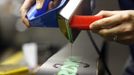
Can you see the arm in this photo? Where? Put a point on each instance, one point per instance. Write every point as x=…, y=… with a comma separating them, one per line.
x=27, y=5
x=116, y=25
x=24, y=9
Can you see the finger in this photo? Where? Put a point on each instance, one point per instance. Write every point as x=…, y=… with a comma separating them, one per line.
x=53, y=4
x=126, y=39
x=123, y=38
x=39, y=3
x=123, y=29
x=27, y=4
x=56, y=2
x=24, y=19
x=23, y=11
x=50, y=6
x=26, y=22
x=109, y=22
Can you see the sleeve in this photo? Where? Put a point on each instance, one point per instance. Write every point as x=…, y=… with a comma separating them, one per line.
x=126, y=4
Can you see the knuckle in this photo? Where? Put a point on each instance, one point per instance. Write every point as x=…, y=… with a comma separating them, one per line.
x=128, y=39
x=31, y=1
x=103, y=33
x=102, y=11
x=20, y=10
x=128, y=28
x=125, y=16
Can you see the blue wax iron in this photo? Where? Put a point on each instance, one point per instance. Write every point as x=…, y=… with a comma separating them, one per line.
x=42, y=17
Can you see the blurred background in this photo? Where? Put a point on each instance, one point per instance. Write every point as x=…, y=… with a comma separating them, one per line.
x=13, y=35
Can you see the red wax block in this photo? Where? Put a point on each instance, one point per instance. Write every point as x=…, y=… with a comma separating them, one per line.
x=83, y=22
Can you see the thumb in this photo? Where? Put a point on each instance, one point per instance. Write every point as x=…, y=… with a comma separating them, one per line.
x=39, y=4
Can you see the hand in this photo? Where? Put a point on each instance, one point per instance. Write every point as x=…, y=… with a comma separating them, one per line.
x=27, y=5
x=116, y=25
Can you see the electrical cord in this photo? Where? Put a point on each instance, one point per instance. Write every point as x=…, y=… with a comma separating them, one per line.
x=99, y=53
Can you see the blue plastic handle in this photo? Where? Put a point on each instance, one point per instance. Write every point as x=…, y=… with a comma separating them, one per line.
x=45, y=18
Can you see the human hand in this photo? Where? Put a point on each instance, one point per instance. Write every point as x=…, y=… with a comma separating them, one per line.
x=116, y=25
x=27, y=5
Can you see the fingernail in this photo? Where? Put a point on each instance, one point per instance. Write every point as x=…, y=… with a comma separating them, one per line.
x=91, y=26
x=39, y=4
x=94, y=25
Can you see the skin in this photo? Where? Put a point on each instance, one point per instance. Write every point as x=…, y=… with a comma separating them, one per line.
x=115, y=23
x=27, y=5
